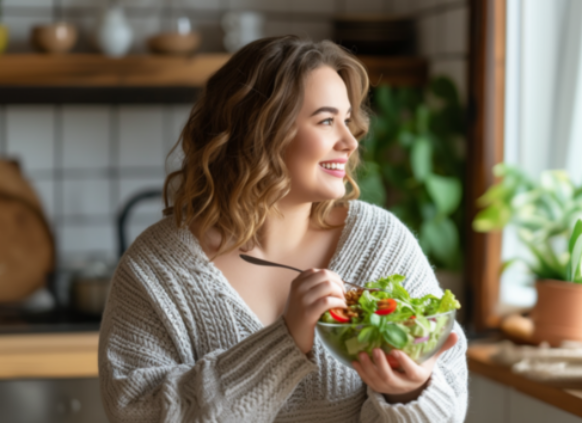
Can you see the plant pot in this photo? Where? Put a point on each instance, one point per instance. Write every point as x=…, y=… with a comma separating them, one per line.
x=557, y=314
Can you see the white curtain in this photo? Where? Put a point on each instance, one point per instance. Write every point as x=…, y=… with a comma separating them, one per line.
x=543, y=106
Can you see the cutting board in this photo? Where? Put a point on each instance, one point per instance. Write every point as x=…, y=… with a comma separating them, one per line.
x=27, y=251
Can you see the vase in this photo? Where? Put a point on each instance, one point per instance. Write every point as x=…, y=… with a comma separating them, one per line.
x=557, y=314
x=3, y=38
x=114, y=34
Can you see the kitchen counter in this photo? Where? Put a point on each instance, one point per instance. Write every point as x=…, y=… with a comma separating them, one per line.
x=74, y=355
x=61, y=355
x=479, y=361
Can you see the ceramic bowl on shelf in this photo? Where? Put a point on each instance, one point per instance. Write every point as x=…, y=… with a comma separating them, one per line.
x=341, y=339
x=54, y=38
x=174, y=43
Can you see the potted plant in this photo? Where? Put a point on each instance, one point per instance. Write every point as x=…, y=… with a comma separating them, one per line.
x=547, y=215
x=413, y=165
x=3, y=32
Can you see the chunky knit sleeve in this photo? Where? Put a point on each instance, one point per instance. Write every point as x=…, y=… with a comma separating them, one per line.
x=445, y=398
x=149, y=372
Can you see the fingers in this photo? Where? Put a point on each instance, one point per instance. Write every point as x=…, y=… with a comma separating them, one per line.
x=367, y=370
x=411, y=369
x=312, y=277
x=323, y=289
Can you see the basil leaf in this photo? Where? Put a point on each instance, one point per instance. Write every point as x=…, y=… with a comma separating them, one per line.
x=395, y=336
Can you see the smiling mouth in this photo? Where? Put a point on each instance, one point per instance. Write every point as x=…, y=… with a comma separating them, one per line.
x=333, y=166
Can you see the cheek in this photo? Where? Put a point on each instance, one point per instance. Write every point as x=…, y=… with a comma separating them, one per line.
x=308, y=148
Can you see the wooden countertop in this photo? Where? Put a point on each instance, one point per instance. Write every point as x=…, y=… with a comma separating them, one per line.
x=74, y=355
x=50, y=355
x=478, y=357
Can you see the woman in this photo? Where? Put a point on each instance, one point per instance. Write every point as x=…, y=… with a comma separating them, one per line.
x=192, y=333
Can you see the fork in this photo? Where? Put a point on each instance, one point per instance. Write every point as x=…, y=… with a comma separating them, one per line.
x=261, y=262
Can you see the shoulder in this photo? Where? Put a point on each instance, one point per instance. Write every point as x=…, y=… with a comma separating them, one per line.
x=368, y=219
x=163, y=245
x=382, y=244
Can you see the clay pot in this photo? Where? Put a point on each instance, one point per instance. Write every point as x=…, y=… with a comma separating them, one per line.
x=56, y=38
x=174, y=43
x=557, y=315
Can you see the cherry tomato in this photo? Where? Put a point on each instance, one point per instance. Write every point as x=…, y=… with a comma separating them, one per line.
x=339, y=314
x=386, y=306
x=392, y=361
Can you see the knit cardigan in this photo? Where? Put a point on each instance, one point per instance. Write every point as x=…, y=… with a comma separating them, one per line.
x=178, y=344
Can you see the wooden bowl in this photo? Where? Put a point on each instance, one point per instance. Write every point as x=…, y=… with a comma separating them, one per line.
x=56, y=38
x=174, y=43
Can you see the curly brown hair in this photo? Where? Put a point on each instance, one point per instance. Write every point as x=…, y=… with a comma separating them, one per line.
x=234, y=141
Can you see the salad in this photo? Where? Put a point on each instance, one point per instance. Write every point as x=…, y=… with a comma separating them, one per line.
x=388, y=318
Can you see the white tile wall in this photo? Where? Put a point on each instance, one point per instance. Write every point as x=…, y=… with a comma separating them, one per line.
x=29, y=3
x=131, y=186
x=365, y=6
x=319, y=6
x=201, y=4
x=86, y=134
x=401, y=7
x=85, y=239
x=455, y=31
x=430, y=30
x=30, y=136
x=275, y=28
x=86, y=197
x=259, y=5
x=45, y=189
x=316, y=31
x=82, y=3
x=141, y=138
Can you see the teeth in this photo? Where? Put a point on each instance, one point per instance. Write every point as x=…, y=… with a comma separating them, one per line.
x=333, y=166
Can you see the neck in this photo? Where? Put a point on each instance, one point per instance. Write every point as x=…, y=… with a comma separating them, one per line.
x=288, y=232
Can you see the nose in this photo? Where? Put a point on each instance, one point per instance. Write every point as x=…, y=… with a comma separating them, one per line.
x=347, y=141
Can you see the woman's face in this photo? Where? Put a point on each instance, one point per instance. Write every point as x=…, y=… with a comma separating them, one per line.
x=317, y=155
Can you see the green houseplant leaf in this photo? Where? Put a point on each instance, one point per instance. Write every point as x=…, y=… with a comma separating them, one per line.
x=575, y=249
x=421, y=158
x=543, y=213
x=445, y=192
x=416, y=151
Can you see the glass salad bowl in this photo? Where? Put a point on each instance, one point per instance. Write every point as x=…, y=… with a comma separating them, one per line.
x=420, y=338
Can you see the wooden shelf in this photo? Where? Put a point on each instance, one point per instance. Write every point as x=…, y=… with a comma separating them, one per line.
x=49, y=355
x=93, y=78
x=479, y=361
x=93, y=70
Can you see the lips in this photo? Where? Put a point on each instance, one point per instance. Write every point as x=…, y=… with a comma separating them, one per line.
x=334, y=167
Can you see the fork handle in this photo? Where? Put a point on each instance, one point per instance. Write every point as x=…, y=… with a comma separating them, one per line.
x=261, y=262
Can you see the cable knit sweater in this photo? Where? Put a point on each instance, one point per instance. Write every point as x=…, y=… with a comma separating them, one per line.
x=178, y=344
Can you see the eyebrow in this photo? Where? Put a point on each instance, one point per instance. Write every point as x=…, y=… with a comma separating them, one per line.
x=332, y=110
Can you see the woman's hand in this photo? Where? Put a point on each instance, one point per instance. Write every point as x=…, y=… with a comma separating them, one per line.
x=312, y=293
x=398, y=386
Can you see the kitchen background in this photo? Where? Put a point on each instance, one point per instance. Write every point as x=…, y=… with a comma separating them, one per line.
x=85, y=161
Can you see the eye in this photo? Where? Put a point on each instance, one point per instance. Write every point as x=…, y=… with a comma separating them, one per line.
x=327, y=121
x=348, y=121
